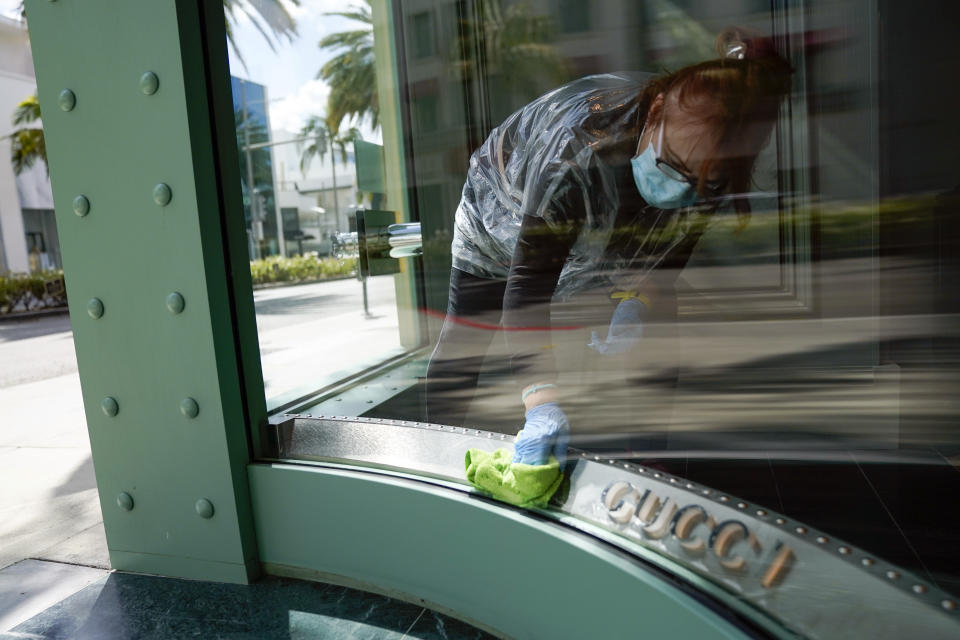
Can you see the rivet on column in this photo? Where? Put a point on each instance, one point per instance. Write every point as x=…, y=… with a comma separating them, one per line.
x=125, y=501
x=110, y=406
x=95, y=308
x=204, y=508
x=149, y=83
x=67, y=100
x=176, y=303
x=81, y=206
x=189, y=408
x=162, y=194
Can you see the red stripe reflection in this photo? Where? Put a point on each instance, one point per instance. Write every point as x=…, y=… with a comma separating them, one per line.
x=494, y=327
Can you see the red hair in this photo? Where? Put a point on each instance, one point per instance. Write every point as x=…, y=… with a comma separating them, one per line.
x=738, y=94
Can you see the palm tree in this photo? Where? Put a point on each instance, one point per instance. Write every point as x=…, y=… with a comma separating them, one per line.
x=270, y=18
x=511, y=48
x=27, y=144
x=351, y=74
x=323, y=137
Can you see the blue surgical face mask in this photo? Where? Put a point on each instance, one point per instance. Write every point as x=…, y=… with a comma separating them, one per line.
x=657, y=188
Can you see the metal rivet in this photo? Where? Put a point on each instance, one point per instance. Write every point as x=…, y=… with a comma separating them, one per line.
x=95, y=308
x=204, y=508
x=949, y=605
x=657, y=475
x=761, y=512
x=893, y=575
x=780, y=521
x=674, y=480
x=868, y=562
x=162, y=194
x=149, y=83
x=67, y=100
x=691, y=485
x=919, y=588
x=190, y=408
x=81, y=206
x=822, y=539
x=705, y=492
x=110, y=406
x=125, y=501
x=742, y=505
x=175, y=303
x=801, y=530
x=844, y=551
x=626, y=466
x=724, y=499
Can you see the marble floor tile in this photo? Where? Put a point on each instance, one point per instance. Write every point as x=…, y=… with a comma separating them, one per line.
x=135, y=607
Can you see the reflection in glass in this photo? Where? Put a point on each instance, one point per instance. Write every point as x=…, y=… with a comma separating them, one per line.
x=792, y=342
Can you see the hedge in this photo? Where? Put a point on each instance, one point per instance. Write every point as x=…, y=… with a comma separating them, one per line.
x=300, y=269
x=20, y=292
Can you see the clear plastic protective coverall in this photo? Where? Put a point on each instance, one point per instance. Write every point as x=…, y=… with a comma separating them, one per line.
x=550, y=214
x=564, y=158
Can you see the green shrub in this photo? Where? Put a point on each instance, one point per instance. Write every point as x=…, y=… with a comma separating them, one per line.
x=31, y=291
x=300, y=268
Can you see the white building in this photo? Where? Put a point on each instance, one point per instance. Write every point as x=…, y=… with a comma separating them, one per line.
x=309, y=203
x=27, y=224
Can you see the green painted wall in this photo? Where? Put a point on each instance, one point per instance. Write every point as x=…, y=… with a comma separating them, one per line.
x=488, y=564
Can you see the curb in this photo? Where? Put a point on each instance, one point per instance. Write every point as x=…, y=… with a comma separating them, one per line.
x=32, y=315
x=280, y=285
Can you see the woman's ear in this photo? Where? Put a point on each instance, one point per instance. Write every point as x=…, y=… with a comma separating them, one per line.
x=656, y=109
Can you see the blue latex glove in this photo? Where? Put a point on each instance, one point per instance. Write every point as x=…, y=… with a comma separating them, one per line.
x=546, y=431
x=626, y=329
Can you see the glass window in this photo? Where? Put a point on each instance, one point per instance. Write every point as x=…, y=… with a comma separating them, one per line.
x=424, y=43
x=709, y=246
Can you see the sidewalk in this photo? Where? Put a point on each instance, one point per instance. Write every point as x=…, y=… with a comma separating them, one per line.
x=55, y=578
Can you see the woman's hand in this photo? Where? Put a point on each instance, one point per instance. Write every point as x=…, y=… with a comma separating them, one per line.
x=546, y=431
x=626, y=328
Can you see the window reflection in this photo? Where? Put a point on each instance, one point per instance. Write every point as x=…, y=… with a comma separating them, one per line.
x=792, y=342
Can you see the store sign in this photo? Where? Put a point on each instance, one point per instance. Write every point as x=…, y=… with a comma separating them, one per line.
x=693, y=530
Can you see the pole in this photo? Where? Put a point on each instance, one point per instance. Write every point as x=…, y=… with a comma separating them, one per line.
x=246, y=144
x=333, y=163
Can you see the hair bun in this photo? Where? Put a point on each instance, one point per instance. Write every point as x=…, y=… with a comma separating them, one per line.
x=741, y=43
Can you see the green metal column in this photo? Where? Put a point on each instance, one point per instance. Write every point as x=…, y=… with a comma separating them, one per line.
x=126, y=95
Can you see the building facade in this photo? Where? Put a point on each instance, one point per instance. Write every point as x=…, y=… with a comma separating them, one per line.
x=28, y=231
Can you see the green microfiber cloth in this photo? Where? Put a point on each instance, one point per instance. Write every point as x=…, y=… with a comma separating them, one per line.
x=525, y=485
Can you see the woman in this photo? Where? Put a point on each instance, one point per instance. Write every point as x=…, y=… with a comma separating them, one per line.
x=605, y=183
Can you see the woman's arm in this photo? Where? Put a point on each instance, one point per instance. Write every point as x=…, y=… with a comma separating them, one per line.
x=541, y=252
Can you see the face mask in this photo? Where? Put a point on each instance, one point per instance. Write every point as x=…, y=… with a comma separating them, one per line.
x=657, y=188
